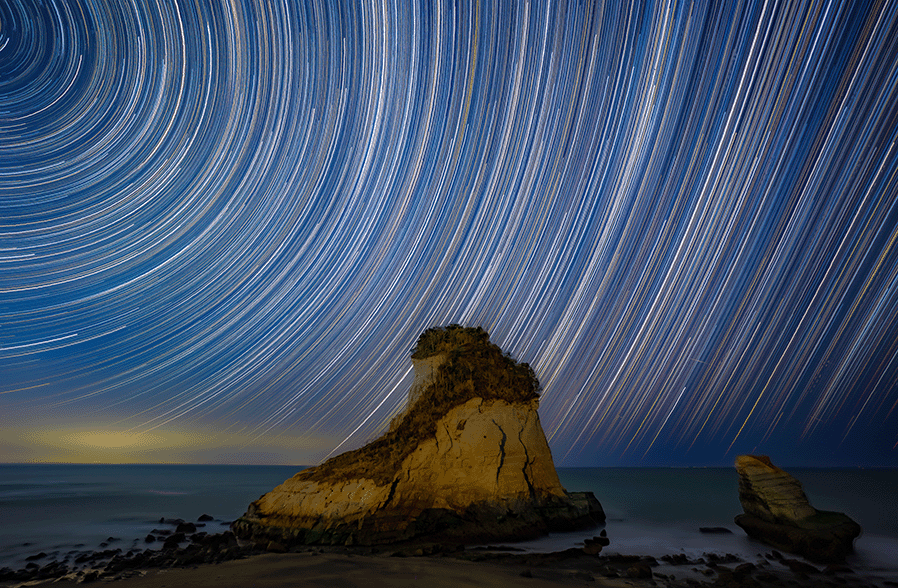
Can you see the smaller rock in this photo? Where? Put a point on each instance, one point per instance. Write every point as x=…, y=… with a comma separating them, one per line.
x=91, y=576
x=594, y=546
x=275, y=547
x=639, y=571
x=204, y=518
x=36, y=556
x=800, y=567
x=149, y=539
x=778, y=513
x=185, y=528
x=173, y=541
x=714, y=530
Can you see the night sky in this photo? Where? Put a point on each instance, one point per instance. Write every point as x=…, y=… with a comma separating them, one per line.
x=224, y=224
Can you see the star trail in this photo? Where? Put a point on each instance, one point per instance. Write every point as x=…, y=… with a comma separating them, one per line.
x=238, y=216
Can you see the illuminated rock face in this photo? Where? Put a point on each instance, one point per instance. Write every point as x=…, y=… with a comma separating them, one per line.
x=769, y=493
x=483, y=451
x=485, y=473
x=778, y=513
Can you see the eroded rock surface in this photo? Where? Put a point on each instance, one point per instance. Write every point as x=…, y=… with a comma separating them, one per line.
x=476, y=468
x=778, y=513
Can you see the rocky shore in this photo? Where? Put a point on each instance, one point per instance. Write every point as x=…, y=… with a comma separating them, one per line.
x=197, y=557
x=171, y=543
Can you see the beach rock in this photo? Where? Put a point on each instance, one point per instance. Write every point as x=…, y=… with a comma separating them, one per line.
x=640, y=571
x=204, y=518
x=173, y=541
x=778, y=513
x=594, y=546
x=800, y=567
x=91, y=576
x=466, y=461
x=676, y=559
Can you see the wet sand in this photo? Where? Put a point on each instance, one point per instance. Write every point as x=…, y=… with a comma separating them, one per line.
x=347, y=571
x=570, y=568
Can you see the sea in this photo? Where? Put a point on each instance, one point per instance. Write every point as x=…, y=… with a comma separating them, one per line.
x=61, y=510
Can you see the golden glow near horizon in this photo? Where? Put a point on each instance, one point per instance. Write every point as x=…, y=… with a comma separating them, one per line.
x=109, y=445
x=112, y=440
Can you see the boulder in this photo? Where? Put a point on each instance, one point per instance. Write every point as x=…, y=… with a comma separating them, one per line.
x=778, y=513
x=467, y=461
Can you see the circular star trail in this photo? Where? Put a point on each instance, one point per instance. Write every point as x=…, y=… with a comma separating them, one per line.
x=241, y=215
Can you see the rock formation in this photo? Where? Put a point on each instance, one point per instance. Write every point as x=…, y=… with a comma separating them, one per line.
x=467, y=461
x=778, y=513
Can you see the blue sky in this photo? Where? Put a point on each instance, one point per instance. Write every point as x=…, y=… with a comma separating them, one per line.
x=223, y=225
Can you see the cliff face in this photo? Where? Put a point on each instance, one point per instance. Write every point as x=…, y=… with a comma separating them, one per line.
x=483, y=451
x=426, y=371
x=477, y=469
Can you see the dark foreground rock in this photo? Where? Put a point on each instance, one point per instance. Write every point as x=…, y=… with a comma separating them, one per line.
x=110, y=564
x=466, y=462
x=825, y=537
x=778, y=513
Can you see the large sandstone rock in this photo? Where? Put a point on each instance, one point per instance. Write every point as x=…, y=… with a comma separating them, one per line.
x=466, y=462
x=778, y=513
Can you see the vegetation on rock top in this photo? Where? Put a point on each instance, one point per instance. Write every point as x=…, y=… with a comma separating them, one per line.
x=474, y=368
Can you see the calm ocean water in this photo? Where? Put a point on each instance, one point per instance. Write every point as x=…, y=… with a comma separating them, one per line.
x=656, y=511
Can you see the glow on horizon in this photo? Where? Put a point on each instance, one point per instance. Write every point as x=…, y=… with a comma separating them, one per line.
x=161, y=446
